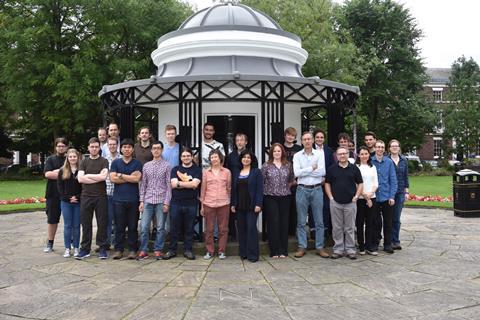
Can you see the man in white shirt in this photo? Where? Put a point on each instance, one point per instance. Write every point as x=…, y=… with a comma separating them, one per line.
x=309, y=169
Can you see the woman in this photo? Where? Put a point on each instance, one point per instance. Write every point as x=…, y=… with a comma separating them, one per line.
x=401, y=167
x=278, y=178
x=366, y=203
x=247, y=200
x=215, y=199
x=70, y=189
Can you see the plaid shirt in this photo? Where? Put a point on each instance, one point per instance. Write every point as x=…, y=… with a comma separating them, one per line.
x=156, y=186
x=110, y=185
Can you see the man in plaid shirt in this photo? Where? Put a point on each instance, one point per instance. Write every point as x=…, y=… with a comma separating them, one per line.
x=112, y=145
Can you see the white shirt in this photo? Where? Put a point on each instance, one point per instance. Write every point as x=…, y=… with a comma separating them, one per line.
x=370, y=178
x=303, y=167
x=206, y=148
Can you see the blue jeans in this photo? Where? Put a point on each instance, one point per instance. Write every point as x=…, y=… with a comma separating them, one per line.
x=148, y=211
x=71, y=223
x=306, y=197
x=182, y=215
x=111, y=218
x=126, y=217
x=397, y=212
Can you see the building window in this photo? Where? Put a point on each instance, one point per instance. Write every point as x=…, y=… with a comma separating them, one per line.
x=437, y=148
x=437, y=95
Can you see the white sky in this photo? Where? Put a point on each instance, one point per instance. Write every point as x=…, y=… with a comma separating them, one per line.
x=450, y=28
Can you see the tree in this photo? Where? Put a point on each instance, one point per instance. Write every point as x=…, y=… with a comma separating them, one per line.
x=56, y=55
x=462, y=116
x=386, y=35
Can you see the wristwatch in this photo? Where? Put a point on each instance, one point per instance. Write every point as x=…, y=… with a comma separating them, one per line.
x=178, y=184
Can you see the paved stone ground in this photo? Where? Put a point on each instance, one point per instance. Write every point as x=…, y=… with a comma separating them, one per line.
x=436, y=276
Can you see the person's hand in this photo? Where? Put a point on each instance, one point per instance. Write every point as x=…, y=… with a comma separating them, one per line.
x=391, y=202
x=232, y=208
x=202, y=212
x=314, y=166
x=354, y=199
x=73, y=199
x=369, y=203
x=165, y=208
x=140, y=207
x=257, y=209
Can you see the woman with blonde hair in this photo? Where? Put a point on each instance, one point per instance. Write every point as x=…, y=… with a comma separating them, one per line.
x=70, y=189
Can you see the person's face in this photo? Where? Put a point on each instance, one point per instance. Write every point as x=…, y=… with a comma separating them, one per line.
x=370, y=141
x=94, y=148
x=72, y=158
x=144, y=135
x=61, y=148
x=379, y=149
x=246, y=160
x=214, y=159
x=170, y=135
x=277, y=153
x=186, y=158
x=307, y=140
x=351, y=146
x=290, y=138
x=34, y=158
x=364, y=156
x=342, y=155
x=394, y=148
x=112, y=145
x=127, y=150
x=240, y=142
x=208, y=132
x=113, y=131
x=156, y=150
x=343, y=143
x=319, y=139
x=102, y=135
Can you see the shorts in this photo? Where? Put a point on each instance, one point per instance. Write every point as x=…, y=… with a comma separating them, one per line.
x=53, y=210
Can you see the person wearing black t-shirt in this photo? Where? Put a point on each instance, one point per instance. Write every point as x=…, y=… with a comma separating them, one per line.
x=185, y=180
x=291, y=148
x=53, y=210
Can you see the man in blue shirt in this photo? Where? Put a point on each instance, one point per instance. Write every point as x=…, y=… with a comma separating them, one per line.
x=126, y=174
x=385, y=195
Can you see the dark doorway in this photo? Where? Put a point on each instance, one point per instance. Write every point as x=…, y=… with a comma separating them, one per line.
x=226, y=127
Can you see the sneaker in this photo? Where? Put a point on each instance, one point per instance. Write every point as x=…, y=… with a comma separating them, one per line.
x=117, y=255
x=372, y=253
x=67, y=253
x=83, y=255
x=222, y=256
x=76, y=252
x=169, y=255
x=158, y=254
x=142, y=255
x=103, y=254
x=48, y=248
x=207, y=256
x=362, y=253
x=189, y=255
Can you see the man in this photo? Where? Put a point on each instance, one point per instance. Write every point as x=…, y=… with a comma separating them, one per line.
x=171, y=153
x=102, y=136
x=126, y=173
x=370, y=138
x=233, y=162
x=155, y=195
x=385, y=196
x=290, y=136
x=92, y=174
x=110, y=156
x=309, y=168
x=142, y=149
x=114, y=132
x=185, y=180
x=344, y=141
x=209, y=144
x=343, y=186
x=53, y=211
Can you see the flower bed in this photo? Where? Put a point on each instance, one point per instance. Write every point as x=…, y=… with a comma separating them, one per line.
x=437, y=198
x=23, y=200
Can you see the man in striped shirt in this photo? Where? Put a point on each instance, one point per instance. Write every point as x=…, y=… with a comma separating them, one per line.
x=155, y=195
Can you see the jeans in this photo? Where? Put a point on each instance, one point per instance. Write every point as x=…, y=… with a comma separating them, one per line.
x=248, y=235
x=397, y=212
x=182, y=215
x=148, y=211
x=111, y=218
x=126, y=216
x=89, y=205
x=71, y=224
x=306, y=197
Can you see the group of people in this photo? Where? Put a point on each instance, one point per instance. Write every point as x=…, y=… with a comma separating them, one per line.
x=340, y=193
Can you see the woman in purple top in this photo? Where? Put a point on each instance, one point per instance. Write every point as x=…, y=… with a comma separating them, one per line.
x=278, y=178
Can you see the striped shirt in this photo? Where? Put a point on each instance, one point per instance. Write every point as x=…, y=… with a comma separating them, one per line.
x=155, y=187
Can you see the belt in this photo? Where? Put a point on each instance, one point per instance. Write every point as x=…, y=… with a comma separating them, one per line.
x=311, y=186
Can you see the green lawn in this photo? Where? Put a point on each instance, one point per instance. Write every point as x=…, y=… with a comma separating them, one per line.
x=431, y=186
x=22, y=189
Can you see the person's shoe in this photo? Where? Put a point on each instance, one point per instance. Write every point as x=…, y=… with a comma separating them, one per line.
x=131, y=255
x=158, y=254
x=336, y=255
x=189, y=255
x=76, y=252
x=372, y=253
x=222, y=256
x=397, y=246
x=282, y=256
x=169, y=255
x=103, y=254
x=207, y=256
x=322, y=253
x=67, y=253
x=117, y=255
x=300, y=253
x=388, y=250
x=352, y=256
x=48, y=248
x=142, y=255
x=83, y=255
x=97, y=250
x=362, y=253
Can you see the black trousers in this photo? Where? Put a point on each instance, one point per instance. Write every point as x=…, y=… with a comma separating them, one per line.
x=276, y=210
x=248, y=235
x=365, y=223
x=386, y=212
x=89, y=205
x=126, y=217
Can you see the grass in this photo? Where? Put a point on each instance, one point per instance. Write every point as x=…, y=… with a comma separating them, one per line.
x=430, y=186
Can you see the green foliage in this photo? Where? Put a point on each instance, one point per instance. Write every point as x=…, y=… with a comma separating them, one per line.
x=56, y=55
